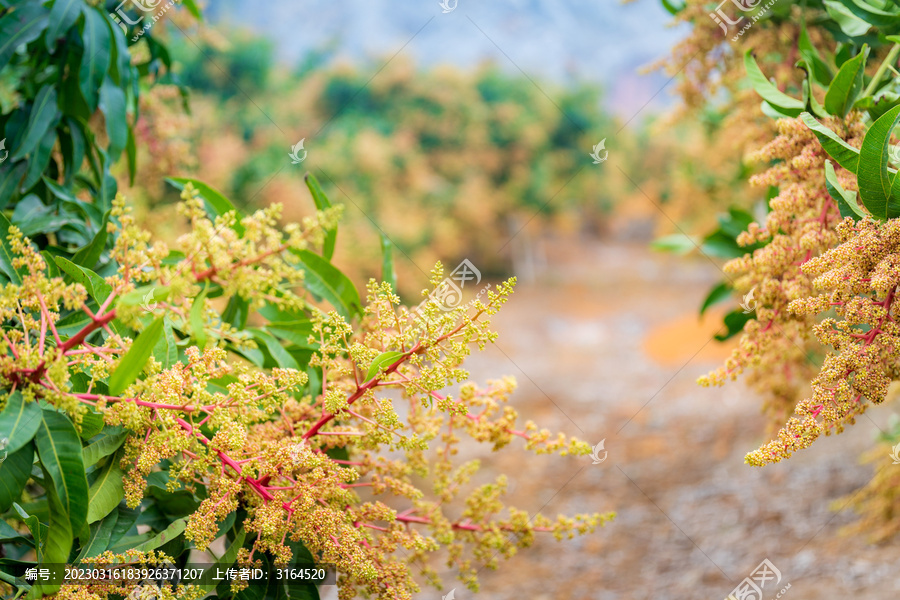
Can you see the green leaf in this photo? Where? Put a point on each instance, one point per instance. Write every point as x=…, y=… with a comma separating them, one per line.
x=89, y=255
x=381, y=362
x=144, y=296
x=98, y=537
x=63, y=15
x=10, y=175
x=124, y=523
x=734, y=324
x=60, y=533
x=388, y=273
x=39, y=161
x=6, y=253
x=59, y=449
x=91, y=424
x=295, y=332
x=131, y=153
x=106, y=492
x=97, y=52
x=111, y=440
x=677, y=243
x=846, y=201
x=43, y=116
x=872, y=174
x=281, y=356
x=112, y=104
x=19, y=421
x=849, y=23
x=134, y=360
x=326, y=281
x=870, y=14
x=15, y=471
x=21, y=25
x=236, y=312
x=322, y=203
x=166, y=349
x=171, y=532
x=95, y=285
x=843, y=153
x=198, y=319
x=820, y=72
x=216, y=203
x=847, y=84
x=193, y=9
x=10, y=535
x=719, y=293
x=228, y=558
x=768, y=91
x=38, y=532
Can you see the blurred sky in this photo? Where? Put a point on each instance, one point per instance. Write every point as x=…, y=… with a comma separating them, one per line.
x=601, y=41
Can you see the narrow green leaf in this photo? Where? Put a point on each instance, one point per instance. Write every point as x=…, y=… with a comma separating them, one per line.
x=95, y=285
x=216, y=203
x=198, y=319
x=870, y=14
x=112, y=440
x=60, y=533
x=6, y=253
x=849, y=23
x=846, y=201
x=15, y=471
x=63, y=15
x=39, y=161
x=131, y=152
x=43, y=117
x=381, y=362
x=228, y=558
x=89, y=255
x=847, y=84
x=322, y=203
x=820, y=72
x=124, y=523
x=768, y=91
x=843, y=153
x=106, y=492
x=872, y=174
x=326, y=281
x=98, y=537
x=10, y=175
x=59, y=449
x=171, y=532
x=281, y=356
x=10, y=535
x=734, y=324
x=719, y=293
x=21, y=25
x=166, y=349
x=37, y=531
x=134, y=360
x=388, y=273
x=112, y=104
x=97, y=52
x=193, y=9
x=677, y=243
x=19, y=421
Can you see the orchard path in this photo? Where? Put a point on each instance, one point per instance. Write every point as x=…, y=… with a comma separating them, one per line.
x=602, y=330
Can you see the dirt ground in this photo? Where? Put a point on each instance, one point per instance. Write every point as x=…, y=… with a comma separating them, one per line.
x=606, y=344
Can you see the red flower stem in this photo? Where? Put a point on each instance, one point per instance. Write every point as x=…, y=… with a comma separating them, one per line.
x=257, y=487
x=325, y=418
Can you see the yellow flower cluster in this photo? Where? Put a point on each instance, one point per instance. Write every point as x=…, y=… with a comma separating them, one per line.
x=859, y=279
x=341, y=470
